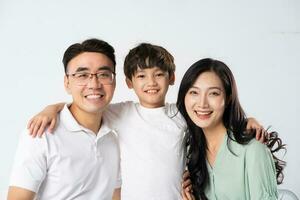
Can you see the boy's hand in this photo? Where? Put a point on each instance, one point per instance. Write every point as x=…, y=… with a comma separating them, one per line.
x=260, y=131
x=37, y=125
x=186, y=185
x=187, y=196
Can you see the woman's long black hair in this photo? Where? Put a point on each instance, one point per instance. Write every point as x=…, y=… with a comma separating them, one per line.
x=234, y=120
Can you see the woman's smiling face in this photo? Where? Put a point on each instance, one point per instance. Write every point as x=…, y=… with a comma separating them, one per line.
x=205, y=101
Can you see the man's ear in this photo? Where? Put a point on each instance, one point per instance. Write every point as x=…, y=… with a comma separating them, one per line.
x=129, y=83
x=172, y=79
x=67, y=84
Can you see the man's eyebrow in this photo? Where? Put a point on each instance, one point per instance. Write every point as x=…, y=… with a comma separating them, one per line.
x=105, y=68
x=79, y=69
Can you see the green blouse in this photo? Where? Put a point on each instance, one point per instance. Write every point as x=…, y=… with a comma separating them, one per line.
x=250, y=174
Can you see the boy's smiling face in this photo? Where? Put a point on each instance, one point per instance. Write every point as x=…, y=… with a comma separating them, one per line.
x=151, y=86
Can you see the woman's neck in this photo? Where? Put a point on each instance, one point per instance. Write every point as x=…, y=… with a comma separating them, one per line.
x=214, y=137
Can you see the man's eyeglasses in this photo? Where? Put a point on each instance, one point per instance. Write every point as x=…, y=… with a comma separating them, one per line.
x=104, y=77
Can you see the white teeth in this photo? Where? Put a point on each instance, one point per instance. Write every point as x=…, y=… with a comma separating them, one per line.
x=93, y=96
x=203, y=113
x=151, y=91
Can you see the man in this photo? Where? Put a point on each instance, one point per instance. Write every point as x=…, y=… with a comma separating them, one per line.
x=80, y=161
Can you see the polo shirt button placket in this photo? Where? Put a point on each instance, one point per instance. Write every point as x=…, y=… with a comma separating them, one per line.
x=96, y=150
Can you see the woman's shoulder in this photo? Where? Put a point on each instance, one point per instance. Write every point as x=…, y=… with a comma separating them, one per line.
x=256, y=149
x=252, y=147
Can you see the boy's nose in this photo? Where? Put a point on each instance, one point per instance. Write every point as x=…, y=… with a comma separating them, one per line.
x=152, y=80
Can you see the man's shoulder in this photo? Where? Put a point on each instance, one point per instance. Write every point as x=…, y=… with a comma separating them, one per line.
x=26, y=137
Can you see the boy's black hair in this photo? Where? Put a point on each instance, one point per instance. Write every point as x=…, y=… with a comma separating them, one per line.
x=147, y=55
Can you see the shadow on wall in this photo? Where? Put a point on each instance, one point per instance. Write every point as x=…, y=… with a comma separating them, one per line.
x=3, y=194
x=285, y=194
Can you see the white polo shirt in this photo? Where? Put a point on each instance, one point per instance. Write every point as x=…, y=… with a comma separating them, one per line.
x=72, y=163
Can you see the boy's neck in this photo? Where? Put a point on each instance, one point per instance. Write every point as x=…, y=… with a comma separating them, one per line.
x=91, y=121
x=151, y=106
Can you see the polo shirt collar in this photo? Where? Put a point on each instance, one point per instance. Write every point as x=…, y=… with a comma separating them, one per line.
x=68, y=120
x=72, y=125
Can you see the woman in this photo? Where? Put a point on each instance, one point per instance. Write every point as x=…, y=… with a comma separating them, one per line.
x=224, y=161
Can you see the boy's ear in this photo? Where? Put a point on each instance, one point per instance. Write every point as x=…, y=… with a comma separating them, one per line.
x=129, y=83
x=172, y=78
x=67, y=84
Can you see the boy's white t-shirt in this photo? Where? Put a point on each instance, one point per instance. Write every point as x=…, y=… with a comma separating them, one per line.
x=151, y=150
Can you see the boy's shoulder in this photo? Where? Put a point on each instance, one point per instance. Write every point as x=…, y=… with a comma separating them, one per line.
x=171, y=108
x=120, y=106
x=175, y=115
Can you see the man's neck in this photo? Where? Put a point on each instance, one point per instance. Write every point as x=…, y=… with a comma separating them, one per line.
x=88, y=120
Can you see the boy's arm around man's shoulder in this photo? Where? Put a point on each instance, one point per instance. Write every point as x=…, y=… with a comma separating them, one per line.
x=46, y=118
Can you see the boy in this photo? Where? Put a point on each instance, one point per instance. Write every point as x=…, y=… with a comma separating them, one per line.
x=81, y=160
x=150, y=132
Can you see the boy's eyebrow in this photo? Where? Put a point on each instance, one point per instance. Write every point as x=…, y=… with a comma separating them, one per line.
x=142, y=70
x=139, y=70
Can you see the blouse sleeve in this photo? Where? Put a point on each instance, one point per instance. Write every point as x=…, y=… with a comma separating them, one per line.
x=260, y=172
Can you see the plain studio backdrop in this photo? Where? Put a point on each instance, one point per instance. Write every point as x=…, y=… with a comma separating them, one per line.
x=259, y=40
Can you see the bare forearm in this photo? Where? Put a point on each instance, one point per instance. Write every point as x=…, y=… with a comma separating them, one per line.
x=117, y=194
x=57, y=107
x=17, y=193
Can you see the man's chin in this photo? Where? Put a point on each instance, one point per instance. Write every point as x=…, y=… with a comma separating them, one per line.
x=94, y=109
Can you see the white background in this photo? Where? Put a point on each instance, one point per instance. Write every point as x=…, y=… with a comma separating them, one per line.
x=259, y=40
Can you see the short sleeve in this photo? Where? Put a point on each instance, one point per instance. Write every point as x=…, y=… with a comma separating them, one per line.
x=260, y=172
x=119, y=180
x=174, y=113
x=30, y=163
